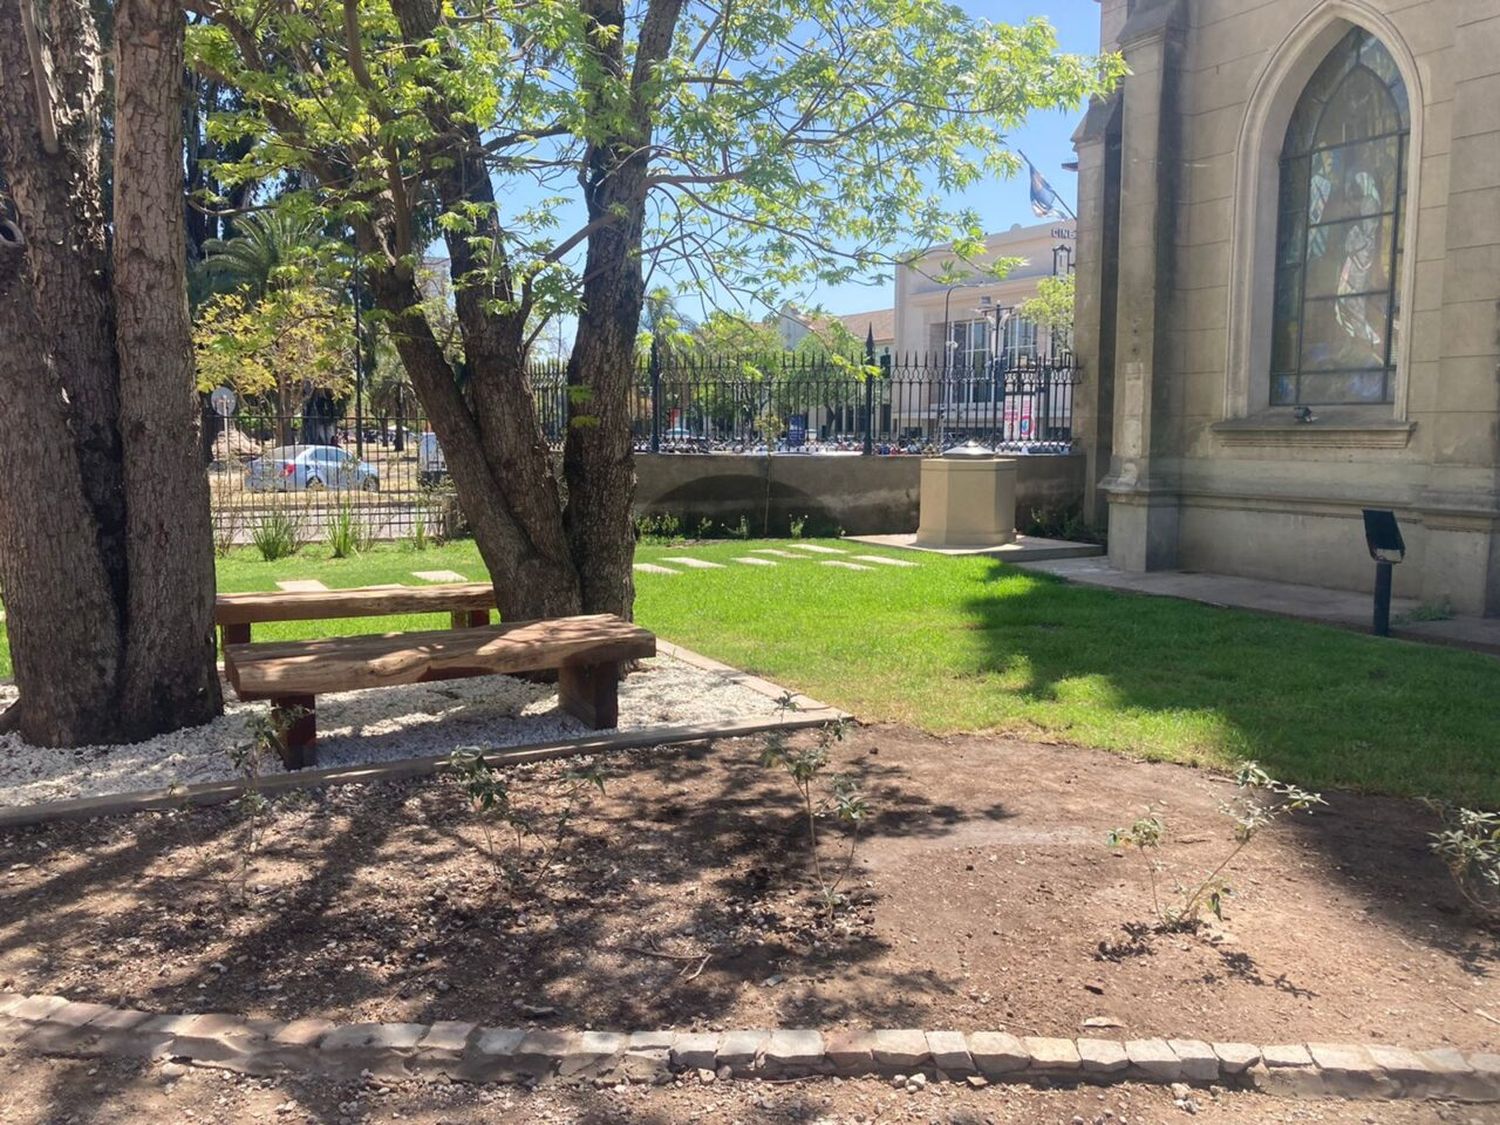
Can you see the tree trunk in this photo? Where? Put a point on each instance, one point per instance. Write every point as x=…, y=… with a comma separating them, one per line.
x=103, y=506
x=598, y=453
x=529, y=583
x=166, y=487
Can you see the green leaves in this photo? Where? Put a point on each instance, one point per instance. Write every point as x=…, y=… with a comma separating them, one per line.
x=785, y=143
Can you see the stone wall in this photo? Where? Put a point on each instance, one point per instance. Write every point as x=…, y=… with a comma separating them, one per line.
x=856, y=495
x=1199, y=471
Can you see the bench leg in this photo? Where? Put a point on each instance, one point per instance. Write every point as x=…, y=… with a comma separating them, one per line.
x=238, y=634
x=467, y=618
x=591, y=692
x=296, y=717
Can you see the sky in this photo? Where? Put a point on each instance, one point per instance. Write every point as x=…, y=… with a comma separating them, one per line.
x=1046, y=139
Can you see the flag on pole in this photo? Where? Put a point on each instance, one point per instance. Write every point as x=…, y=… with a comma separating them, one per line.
x=1044, y=201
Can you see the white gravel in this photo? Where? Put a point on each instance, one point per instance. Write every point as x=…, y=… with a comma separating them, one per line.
x=373, y=726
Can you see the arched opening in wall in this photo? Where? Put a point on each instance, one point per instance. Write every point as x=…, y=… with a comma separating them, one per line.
x=1320, y=267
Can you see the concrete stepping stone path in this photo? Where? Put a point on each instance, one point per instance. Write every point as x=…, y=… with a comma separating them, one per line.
x=438, y=576
x=774, y=551
x=883, y=560
x=652, y=568
x=820, y=550
x=753, y=561
x=301, y=585
x=692, y=563
x=845, y=565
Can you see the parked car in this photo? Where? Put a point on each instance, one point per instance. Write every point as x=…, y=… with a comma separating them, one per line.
x=295, y=468
x=432, y=466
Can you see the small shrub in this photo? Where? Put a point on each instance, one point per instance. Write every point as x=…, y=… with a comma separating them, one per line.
x=266, y=733
x=1469, y=843
x=1068, y=525
x=841, y=799
x=798, y=526
x=277, y=534
x=490, y=799
x=741, y=530
x=420, y=535
x=1440, y=610
x=662, y=530
x=349, y=534
x=227, y=524
x=1249, y=814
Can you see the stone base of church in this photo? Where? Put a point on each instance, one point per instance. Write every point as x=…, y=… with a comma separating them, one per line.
x=1451, y=559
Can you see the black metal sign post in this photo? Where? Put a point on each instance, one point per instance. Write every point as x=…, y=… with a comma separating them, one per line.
x=1383, y=539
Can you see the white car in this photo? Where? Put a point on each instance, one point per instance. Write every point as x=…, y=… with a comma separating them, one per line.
x=432, y=466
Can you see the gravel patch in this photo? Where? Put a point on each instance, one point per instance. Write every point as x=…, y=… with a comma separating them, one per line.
x=383, y=724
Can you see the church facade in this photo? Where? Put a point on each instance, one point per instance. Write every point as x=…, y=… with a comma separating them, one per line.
x=1289, y=290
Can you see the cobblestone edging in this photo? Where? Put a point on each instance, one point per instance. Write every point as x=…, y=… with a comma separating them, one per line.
x=464, y=1051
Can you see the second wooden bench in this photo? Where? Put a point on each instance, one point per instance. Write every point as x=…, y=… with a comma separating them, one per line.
x=586, y=652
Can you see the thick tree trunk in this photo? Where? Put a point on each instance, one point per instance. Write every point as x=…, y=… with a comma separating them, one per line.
x=102, y=541
x=61, y=614
x=169, y=677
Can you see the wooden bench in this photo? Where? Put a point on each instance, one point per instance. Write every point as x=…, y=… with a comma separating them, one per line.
x=585, y=651
x=469, y=603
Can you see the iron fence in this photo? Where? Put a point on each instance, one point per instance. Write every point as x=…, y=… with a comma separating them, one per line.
x=809, y=405
x=385, y=474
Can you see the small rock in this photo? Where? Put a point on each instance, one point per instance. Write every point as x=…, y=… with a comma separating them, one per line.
x=977, y=1081
x=707, y=1077
x=171, y=1071
x=916, y=1082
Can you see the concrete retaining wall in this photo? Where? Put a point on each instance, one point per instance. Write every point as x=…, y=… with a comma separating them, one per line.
x=858, y=495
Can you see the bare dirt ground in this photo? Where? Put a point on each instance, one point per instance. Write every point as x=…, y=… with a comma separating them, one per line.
x=54, y=1091
x=984, y=896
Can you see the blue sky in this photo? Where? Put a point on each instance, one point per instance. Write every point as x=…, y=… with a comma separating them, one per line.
x=1046, y=138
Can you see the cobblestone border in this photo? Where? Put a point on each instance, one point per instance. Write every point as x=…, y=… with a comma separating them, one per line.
x=467, y=1052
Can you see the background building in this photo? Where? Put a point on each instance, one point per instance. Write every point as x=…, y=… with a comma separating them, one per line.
x=1289, y=288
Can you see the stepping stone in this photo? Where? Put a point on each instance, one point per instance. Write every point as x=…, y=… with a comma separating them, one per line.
x=754, y=562
x=652, y=568
x=845, y=565
x=883, y=560
x=774, y=551
x=301, y=585
x=438, y=576
x=818, y=549
x=692, y=563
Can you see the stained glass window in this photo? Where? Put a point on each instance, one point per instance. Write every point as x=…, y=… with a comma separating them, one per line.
x=1341, y=206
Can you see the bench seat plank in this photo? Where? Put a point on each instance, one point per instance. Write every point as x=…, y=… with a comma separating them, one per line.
x=302, y=668
x=363, y=601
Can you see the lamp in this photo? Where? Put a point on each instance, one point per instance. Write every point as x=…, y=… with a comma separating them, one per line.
x=1387, y=548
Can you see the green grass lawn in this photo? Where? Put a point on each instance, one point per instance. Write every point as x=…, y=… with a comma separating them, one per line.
x=958, y=644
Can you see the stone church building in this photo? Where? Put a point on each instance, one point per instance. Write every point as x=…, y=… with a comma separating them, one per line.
x=1289, y=290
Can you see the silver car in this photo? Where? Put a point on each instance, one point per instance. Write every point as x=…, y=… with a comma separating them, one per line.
x=296, y=468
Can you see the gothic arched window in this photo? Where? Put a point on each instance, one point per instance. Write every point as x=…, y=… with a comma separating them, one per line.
x=1338, y=241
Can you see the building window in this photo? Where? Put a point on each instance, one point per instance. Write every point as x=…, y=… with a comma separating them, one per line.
x=969, y=344
x=1339, y=231
x=1018, y=348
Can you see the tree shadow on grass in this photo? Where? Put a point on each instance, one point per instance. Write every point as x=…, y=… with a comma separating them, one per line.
x=1319, y=706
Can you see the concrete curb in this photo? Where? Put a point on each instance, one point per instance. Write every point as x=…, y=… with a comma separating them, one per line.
x=808, y=713
x=466, y=1052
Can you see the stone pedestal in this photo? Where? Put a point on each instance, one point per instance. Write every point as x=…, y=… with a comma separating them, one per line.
x=968, y=502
